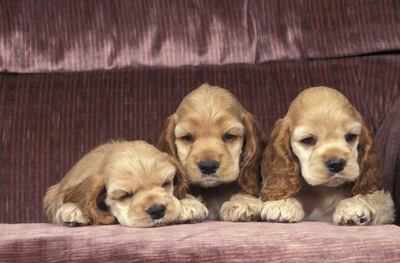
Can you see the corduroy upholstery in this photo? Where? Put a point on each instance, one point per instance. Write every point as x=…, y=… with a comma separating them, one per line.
x=205, y=242
x=74, y=35
x=49, y=121
x=75, y=74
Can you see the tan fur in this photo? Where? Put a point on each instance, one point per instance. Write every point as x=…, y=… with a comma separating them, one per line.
x=241, y=207
x=292, y=169
x=287, y=210
x=93, y=191
x=207, y=113
x=192, y=210
x=370, y=209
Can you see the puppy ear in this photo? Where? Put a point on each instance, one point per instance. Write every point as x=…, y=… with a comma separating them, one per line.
x=166, y=142
x=89, y=196
x=369, y=163
x=279, y=168
x=181, y=182
x=254, y=143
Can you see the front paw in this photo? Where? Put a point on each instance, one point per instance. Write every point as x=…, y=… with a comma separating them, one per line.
x=352, y=212
x=241, y=208
x=192, y=210
x=69, y=214
x=283, y=211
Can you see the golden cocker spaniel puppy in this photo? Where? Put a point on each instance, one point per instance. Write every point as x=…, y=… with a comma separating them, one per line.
x=320, y=165
x=131, y=183
x=220, y=145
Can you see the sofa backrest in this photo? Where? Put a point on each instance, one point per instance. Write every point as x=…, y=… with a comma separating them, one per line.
x=74, y=35
x=49, y=121
x=102, y=70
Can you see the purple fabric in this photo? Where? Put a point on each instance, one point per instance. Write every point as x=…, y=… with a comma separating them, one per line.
x=48, y=121
x=75, y=35
x=141, y=56
x=389, y=149
x=203, y=242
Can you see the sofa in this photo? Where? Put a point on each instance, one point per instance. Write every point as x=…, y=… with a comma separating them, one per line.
x=76, y=74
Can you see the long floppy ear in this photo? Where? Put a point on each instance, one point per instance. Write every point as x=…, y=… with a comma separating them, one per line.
x=89, y=196
x=166, y=142
x=253, y=145
x=181, y=182
x=279, y=168
x=369, y=163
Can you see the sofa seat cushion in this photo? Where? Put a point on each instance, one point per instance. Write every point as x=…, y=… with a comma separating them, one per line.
x=204, y=242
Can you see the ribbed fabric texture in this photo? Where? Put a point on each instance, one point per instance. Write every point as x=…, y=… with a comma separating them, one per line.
x=75, y=35
x=389, y=151
x=49, y=121
x=203, y=242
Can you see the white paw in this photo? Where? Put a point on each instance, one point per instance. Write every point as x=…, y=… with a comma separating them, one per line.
x=69, y=214
x=241, y=208
x=351, y=211
x=283, y=211
x=192, y=210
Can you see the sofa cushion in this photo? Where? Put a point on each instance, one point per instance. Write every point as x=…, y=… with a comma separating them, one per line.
x=204, y=242
x=65, y=35
x=389, y=148
x=48, y=121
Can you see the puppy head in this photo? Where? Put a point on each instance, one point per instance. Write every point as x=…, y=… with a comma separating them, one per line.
x=324, y=139
x=215, y=139
x=136, y=184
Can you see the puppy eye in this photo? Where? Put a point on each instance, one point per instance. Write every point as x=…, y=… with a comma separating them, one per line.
x=126, y=196
x=310, y=141
x=188, y=138
x=228, y=137
x=166, y=184
x=350, y=137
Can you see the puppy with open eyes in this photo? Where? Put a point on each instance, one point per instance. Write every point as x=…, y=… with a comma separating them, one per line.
x=320, y=165
x=220, y=146
x=131, y=183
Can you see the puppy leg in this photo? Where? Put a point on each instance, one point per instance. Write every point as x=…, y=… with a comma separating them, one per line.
x=284, y=211
x=383, y=204
x=192, y=210
x=69, y=214
x=370, y=209
x=241, y=208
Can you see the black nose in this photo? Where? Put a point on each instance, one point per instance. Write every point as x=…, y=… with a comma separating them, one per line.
x=156, y=211
x=208, y=166
x=335, y=165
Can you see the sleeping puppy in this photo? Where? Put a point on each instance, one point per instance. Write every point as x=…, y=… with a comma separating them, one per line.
x=219, y=144
x=320, y=165
x=131, y=183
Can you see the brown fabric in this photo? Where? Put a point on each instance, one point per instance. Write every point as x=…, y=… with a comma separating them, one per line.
x=389, y=149
x=203, y=242
x=48, y=121
x=75, y=35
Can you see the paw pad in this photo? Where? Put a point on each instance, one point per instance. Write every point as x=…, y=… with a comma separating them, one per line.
x=352, y=213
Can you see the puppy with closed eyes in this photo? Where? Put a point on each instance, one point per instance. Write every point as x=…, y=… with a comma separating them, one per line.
x=320, y=165
x=131, y=183
x=220, y=145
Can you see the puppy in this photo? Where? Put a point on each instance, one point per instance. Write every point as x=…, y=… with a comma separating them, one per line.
x=131, y=183
x=320, y=165
x=220, y=146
